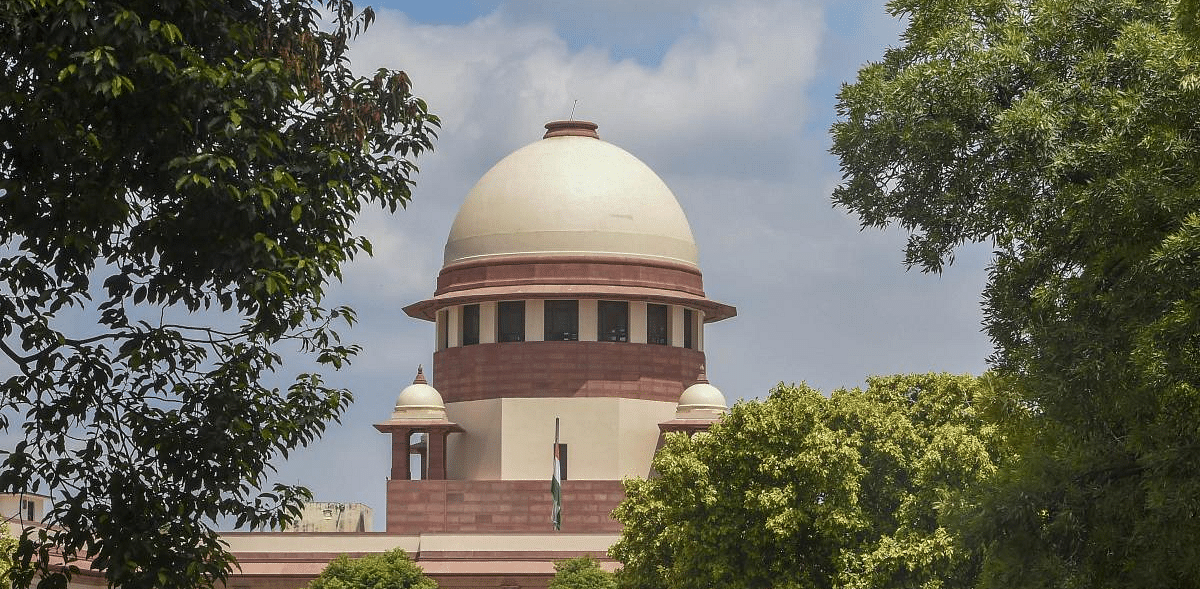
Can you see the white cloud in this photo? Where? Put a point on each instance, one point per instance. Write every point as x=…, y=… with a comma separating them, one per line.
x=722, y=116
x=738, y=77
x=732, y=111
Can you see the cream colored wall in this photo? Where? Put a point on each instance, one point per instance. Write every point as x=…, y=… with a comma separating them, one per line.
x=699, y=315
x=637, y=322
x=535, y=320
x=335, y=542
x=589, y=427
x=487, y=322
x=588, y=316
x=675, y=332
x=639, y=438
x=475, y=454
x=556, y=542
x=512, y=439
x=454, y=327
x=10, y=507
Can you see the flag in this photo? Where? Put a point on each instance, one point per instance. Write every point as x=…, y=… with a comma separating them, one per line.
x=556, y=484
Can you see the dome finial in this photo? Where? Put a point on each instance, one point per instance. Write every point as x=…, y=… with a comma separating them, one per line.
x=702, y=378
x=571, y=129
x=420, y=379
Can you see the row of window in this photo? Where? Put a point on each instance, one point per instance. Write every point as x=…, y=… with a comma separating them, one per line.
x=561, y=322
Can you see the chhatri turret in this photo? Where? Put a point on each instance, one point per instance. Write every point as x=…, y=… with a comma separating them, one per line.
x=570, y=289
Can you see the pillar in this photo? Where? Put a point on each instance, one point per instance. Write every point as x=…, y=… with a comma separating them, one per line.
x=400, y=450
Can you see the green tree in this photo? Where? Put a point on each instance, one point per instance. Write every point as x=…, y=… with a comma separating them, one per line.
x=1065, y=133
x=8, y=545
x=805, y=491
x=178, y=181
x=389, y=570
x=581, y=573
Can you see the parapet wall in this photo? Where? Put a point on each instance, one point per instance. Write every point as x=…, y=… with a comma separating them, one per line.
x=500, y=506
x=565, y=369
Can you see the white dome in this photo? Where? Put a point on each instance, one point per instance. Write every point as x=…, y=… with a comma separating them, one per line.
x=419, y=401
x=701, y=401
x=572, y=194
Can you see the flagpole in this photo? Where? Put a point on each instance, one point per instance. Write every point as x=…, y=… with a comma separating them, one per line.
x=556, y=484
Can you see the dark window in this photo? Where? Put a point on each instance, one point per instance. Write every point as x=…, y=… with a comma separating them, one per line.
x=510, y=321
x=656, y=324
x=562, y=462
x=613, y=321
x=562, y=321
x=688, y=320
x=443, y=330
x=470, y=325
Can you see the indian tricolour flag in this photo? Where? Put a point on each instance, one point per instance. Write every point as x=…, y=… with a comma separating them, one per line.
x=556, y=484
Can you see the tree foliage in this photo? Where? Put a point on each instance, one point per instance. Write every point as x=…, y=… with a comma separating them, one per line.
x=8, y=545
x=581, y=573
x=178, y=180
x=803, y=491
x=389, y=570
x=1065, y=133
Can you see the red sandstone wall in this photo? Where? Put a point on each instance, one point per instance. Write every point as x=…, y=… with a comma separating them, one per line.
x=565, y=369
x=522, y=270
x=499, y=506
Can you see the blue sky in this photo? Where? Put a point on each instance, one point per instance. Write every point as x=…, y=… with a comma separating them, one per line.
x=730, y=101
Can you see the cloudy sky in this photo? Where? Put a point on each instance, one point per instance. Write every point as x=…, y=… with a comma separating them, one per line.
x=730, y=101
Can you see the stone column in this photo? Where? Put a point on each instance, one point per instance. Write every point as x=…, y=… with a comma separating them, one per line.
x=400, y=450
x=436, y=454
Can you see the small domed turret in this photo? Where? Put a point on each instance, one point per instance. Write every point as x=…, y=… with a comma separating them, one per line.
x=419, y=400
x=701, y=401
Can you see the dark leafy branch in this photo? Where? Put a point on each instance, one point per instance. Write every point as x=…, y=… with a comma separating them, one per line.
x=195, y=158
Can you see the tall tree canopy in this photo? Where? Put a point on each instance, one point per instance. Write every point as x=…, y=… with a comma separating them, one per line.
x=1065, y=133
x=856, y=490
x=178, y=180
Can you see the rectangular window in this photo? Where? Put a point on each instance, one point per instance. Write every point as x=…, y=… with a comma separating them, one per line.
x=470, y=325
x=656, y=324
x=562, y=321
x=510, y=321
x=689, y=318
x=613, y=321
x=27, y=508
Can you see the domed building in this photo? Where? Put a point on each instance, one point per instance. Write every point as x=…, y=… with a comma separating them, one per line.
x=570, y=289
x=570, y=305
